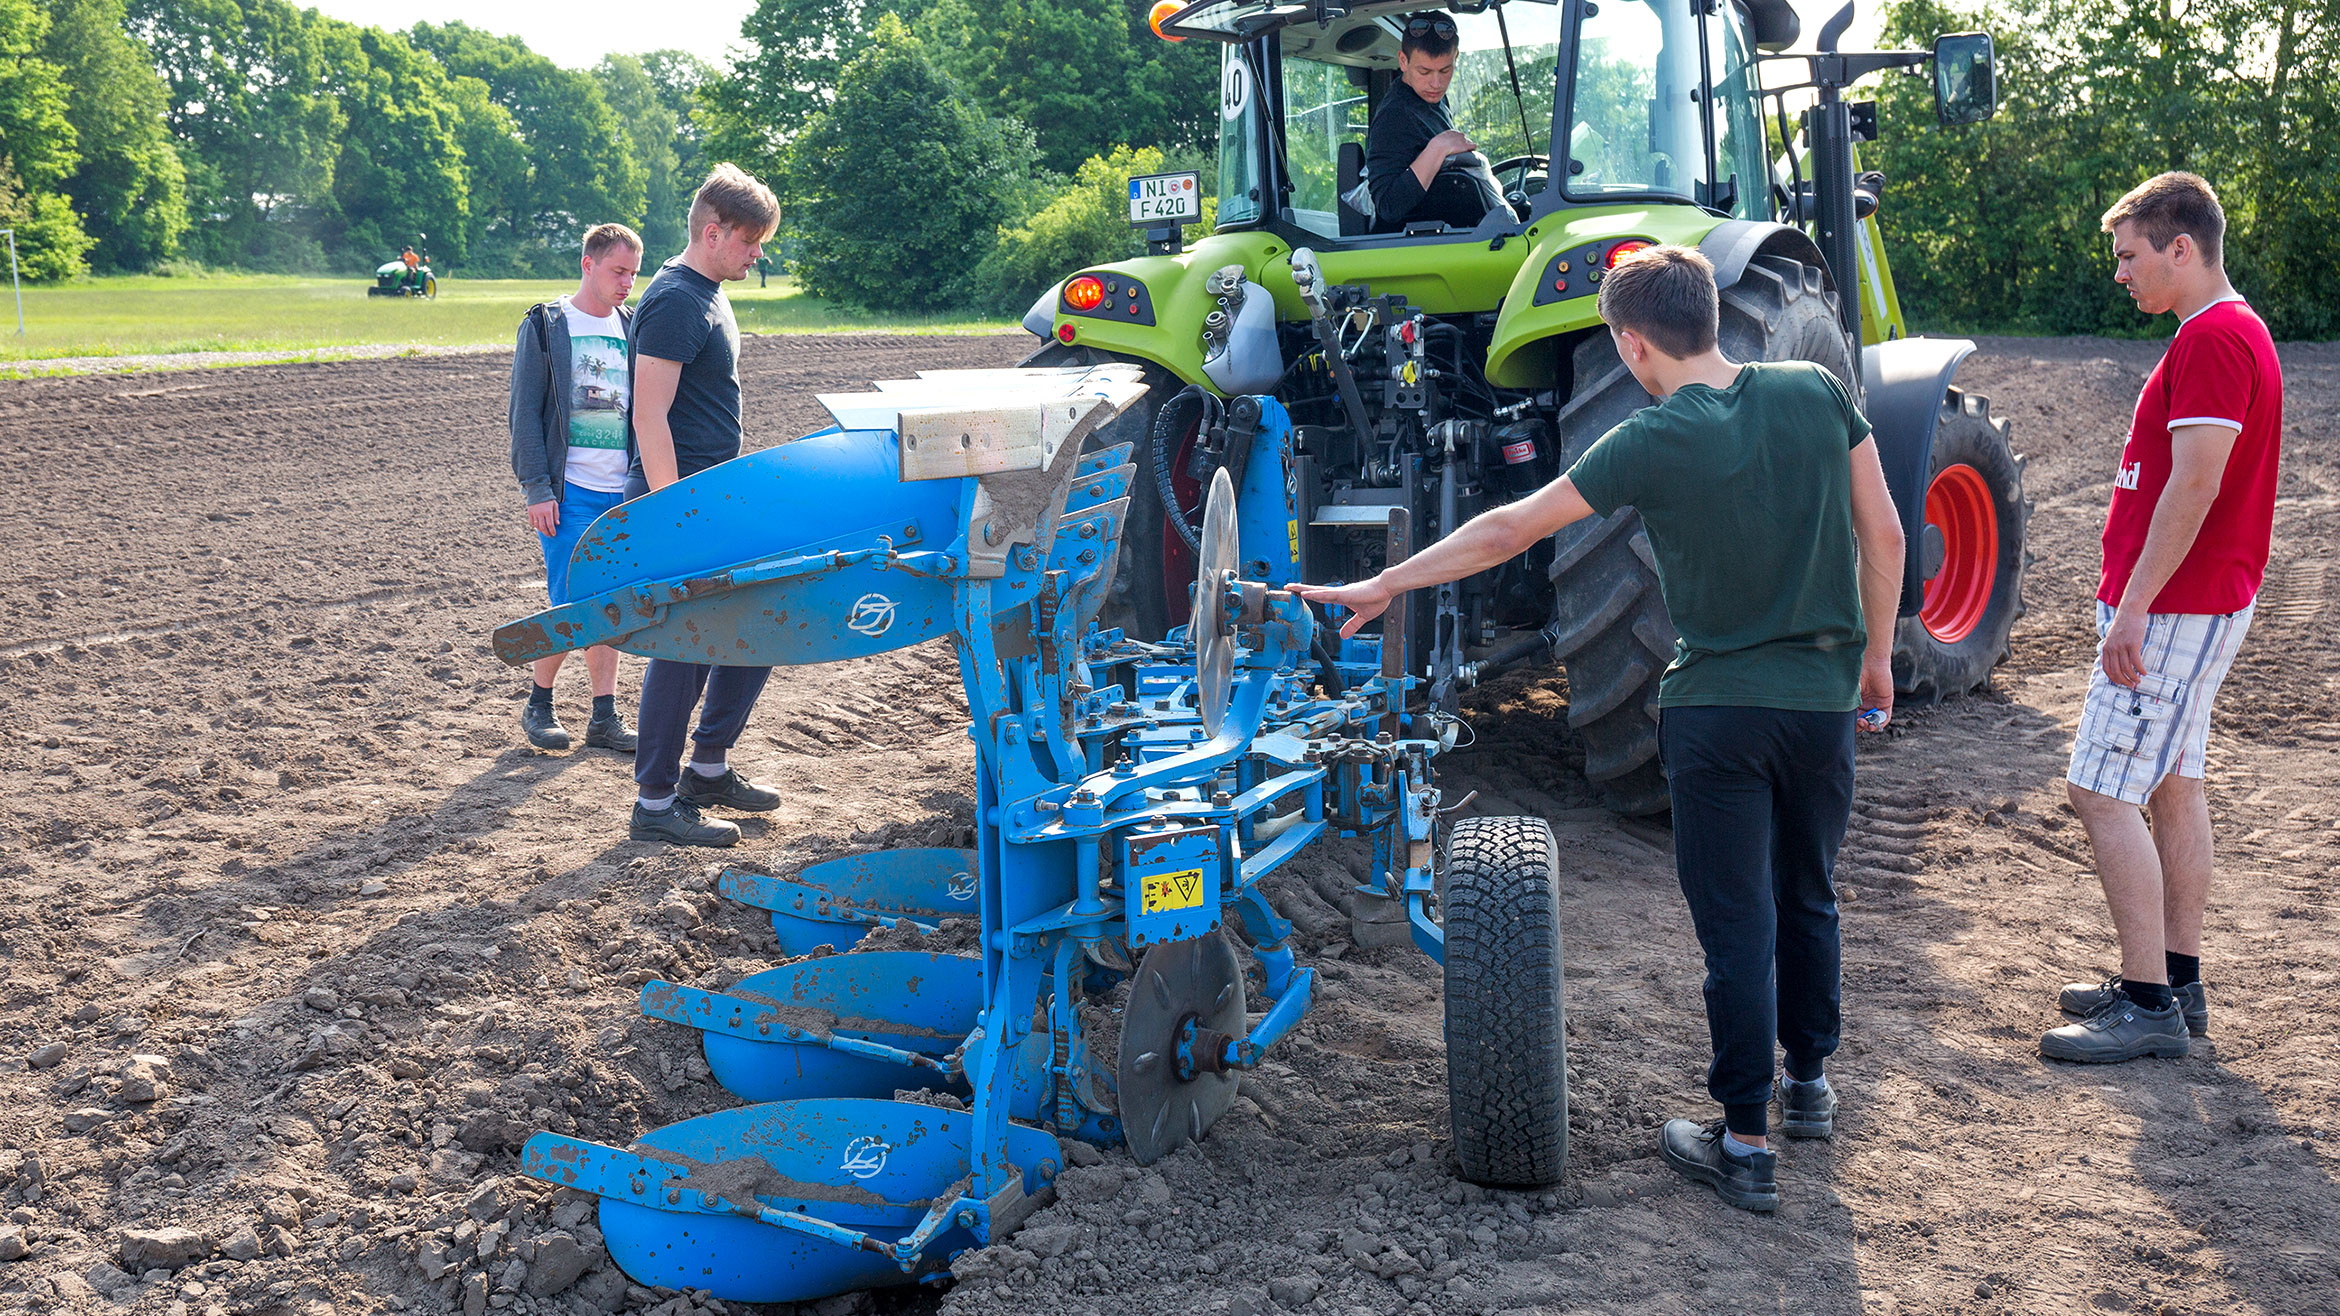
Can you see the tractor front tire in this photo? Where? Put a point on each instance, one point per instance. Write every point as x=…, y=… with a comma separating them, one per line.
x=1506, y=1022
x=1973, y=553
x=1613, y=633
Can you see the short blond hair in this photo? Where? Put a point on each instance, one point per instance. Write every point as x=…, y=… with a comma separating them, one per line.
x=2166, y=205
x=732, y=197
x=601, y=237
x=1667, y=295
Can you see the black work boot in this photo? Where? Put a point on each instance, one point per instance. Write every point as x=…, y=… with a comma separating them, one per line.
x=2122, y=1030
x=610, y=733
x=1807, y=1110
x=680, y=823
x=2082, y=999
x=1749, y=1182
x=730, y=790
x=543, y=729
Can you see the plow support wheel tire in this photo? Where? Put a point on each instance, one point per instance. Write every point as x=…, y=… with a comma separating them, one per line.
x=1976, y=519
x=1506, y=1025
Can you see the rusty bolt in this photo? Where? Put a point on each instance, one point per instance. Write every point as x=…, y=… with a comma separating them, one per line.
x=1222, y=799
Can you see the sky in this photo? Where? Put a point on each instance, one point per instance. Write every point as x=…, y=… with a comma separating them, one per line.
x=577, y=33
x=572, y=33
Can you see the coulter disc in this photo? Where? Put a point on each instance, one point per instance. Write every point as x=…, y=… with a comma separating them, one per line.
x=1195, y=981
x=1214, y=639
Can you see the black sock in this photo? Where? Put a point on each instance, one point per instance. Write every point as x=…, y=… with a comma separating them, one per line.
x=2184, y=970
x=2147, y=995
x=539, y=696
x=604, y=707
x=1804, y=1072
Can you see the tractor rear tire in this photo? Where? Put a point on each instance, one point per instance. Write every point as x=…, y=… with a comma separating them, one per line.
x=1614, y=635
x=1141, y=601
x=1976, y=522
x=1506, y=1021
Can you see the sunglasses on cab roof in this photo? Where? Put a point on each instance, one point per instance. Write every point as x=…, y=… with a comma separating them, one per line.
x=1421, y=24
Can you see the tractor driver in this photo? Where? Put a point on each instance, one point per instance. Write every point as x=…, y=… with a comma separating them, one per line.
x=1418, y=165
x=411, y=261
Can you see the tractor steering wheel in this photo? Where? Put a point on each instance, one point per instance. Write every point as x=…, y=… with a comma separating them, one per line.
x=1515, y=192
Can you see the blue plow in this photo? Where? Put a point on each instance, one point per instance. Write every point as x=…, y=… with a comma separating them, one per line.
x=1131, y=797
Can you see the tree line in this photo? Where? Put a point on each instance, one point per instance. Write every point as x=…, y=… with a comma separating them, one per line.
x=1995, y=226
x=955, y=154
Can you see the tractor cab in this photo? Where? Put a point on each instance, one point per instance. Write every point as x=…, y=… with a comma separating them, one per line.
x=1621, y=82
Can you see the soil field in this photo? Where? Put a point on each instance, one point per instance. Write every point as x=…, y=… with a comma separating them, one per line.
x=305, y=940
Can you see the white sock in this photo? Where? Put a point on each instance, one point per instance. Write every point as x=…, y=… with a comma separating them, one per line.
x=659, y=805
x=1735, y=1147
x=711, y=770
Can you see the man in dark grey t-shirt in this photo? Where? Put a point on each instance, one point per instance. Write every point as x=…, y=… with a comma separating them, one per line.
x=686, y=419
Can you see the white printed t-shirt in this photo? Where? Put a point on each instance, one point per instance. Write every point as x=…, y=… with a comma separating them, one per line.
x=600, y=390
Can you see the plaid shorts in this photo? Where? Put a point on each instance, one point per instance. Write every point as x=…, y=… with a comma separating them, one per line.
x=2130, y=739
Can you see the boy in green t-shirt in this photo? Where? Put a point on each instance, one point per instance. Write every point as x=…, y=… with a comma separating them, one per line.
x=1756, y=483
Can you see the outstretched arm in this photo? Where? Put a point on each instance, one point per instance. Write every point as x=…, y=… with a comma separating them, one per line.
x=1486, y=540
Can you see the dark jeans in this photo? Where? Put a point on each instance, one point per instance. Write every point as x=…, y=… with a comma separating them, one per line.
x=1761, y=798
x=670, y=690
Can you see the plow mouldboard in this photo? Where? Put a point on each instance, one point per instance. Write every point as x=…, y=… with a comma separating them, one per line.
x=733, y=556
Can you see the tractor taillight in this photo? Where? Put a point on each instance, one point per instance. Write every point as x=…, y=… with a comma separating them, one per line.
x=1083, y=293
x=1065, y=333
x=1624, y=249
x=1162, y=11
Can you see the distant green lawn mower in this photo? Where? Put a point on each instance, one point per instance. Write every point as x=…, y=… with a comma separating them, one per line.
x=394, y=278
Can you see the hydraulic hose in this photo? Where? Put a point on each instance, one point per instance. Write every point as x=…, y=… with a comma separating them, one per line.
x=1168, y=425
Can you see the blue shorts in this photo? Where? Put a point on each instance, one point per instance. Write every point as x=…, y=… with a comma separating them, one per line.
x=579, y=506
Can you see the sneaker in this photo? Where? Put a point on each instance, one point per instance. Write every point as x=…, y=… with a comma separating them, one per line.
x=2082, y=999
x=610, y=733
x=544, y=730
x=730, y=790
x=680, y=824
x=2122, y=1030
x=1807, y=1110
x=1749, y=1182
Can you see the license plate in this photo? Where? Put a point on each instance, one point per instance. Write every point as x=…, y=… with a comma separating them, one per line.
x=1165, y=198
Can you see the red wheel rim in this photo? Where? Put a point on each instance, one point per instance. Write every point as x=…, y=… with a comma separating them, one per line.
x=1178, y=561
x=1960, y=508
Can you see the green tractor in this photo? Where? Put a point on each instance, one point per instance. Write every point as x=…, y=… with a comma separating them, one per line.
x=395, y=278
x=1444, y=368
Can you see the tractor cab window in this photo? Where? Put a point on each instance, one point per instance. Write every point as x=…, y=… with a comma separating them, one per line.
x=1635, y=125
x=1242, y=174
x=1328, y=82
x=1742, y=156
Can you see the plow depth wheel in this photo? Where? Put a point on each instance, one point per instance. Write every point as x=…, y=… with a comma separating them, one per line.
x=1506, y=1024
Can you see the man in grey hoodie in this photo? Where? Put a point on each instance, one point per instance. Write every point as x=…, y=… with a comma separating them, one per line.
x=572, y=439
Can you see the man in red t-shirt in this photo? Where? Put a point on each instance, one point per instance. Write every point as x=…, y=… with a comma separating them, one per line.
x=2185, y=544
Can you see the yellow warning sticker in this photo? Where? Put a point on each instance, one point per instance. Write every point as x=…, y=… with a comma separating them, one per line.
x=1292, y=528
x=1163, y=892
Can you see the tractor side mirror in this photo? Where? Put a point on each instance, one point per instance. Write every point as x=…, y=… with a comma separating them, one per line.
x=1966, y=81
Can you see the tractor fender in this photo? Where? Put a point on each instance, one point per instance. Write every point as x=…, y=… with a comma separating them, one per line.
x=1041, y=319
x=1251, y=362
x=1906, y=380
x=1734, y=242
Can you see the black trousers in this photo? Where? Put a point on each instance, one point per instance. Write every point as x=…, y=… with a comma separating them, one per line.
x=670, y=691
x=1761, y=798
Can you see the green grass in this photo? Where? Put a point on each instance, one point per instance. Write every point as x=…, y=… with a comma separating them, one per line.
x=296, y=316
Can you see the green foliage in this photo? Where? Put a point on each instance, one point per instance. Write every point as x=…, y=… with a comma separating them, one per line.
x=581, y=167
x=399, y=177
x=1084, y=223
x=653, y=97
x=1074, y=72
x=128, y=185
x=1995, y=226
x=37, y=152
x=258, y=132
x=895, y=177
